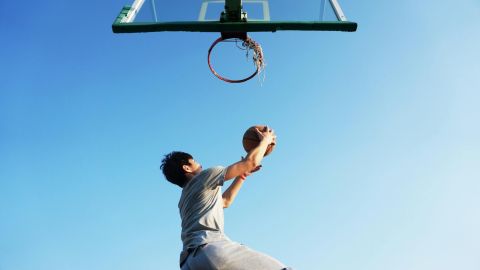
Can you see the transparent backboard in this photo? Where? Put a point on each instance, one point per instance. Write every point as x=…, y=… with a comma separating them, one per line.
x=253, y=15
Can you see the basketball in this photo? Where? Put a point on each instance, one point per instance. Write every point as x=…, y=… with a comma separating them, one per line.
x=251, y=140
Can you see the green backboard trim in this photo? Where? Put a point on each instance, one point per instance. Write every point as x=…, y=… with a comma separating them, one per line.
x=123, y=14
x=251, y=26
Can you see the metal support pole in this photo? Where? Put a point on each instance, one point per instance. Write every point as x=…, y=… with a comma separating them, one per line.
x=233, y=12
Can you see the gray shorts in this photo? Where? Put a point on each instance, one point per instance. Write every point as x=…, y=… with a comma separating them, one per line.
x=228, y=255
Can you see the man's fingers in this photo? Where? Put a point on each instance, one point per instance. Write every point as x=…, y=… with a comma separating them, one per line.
x=274, y=140
x=260, y=134
x=256, y=169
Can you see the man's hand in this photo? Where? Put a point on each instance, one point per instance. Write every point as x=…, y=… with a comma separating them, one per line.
x=245, y=175
x=267, y=134
x=253, y=159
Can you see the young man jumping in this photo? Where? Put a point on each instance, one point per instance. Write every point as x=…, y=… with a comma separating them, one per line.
x=205, y=245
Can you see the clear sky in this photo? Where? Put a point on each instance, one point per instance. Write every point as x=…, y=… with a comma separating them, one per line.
x=378, y=158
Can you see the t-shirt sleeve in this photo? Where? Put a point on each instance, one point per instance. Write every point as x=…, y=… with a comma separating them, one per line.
x=215, y=177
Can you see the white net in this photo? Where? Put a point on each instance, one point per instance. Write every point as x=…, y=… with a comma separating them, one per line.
x=258, y=60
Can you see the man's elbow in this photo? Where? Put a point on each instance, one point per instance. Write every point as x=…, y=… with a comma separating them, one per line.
x=226, y=203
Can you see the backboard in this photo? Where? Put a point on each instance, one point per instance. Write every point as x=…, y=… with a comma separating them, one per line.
x=232, y=16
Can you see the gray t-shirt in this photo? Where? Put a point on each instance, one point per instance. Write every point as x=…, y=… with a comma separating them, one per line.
x=201, y=208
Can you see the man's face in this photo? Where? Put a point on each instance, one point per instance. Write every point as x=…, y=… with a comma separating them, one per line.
x=193, y=167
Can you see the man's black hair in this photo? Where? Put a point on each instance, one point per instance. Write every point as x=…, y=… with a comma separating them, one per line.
x=172, y=167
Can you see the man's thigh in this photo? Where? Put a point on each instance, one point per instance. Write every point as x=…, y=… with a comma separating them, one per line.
x=227, y=255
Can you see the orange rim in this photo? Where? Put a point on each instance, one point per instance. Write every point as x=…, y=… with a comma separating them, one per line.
x=220, y=39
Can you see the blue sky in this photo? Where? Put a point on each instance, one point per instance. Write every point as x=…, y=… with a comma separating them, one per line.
x=377, y=163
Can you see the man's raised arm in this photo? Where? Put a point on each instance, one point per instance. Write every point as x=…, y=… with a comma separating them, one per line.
x=254, y=157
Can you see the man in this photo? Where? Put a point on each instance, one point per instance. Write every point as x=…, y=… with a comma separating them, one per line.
x=205, y=246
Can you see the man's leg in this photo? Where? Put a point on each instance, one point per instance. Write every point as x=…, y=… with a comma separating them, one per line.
x=228, y=255
x=198, y=260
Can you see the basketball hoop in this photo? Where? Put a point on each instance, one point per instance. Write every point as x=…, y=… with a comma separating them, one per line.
x=248, y=44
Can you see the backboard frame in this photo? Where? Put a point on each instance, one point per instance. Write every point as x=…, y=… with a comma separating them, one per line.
x=124, y=23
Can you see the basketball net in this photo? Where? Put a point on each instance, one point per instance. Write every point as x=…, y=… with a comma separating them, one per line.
x=258, y=59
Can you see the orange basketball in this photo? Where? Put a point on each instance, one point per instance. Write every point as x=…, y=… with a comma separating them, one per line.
x=251, y=139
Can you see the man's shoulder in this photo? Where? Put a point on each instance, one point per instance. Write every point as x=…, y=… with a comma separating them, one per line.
x=214, y=169
x=211, y=172
x=211, y=175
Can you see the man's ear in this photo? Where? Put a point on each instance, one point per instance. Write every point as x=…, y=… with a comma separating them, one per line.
x=187, y=169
